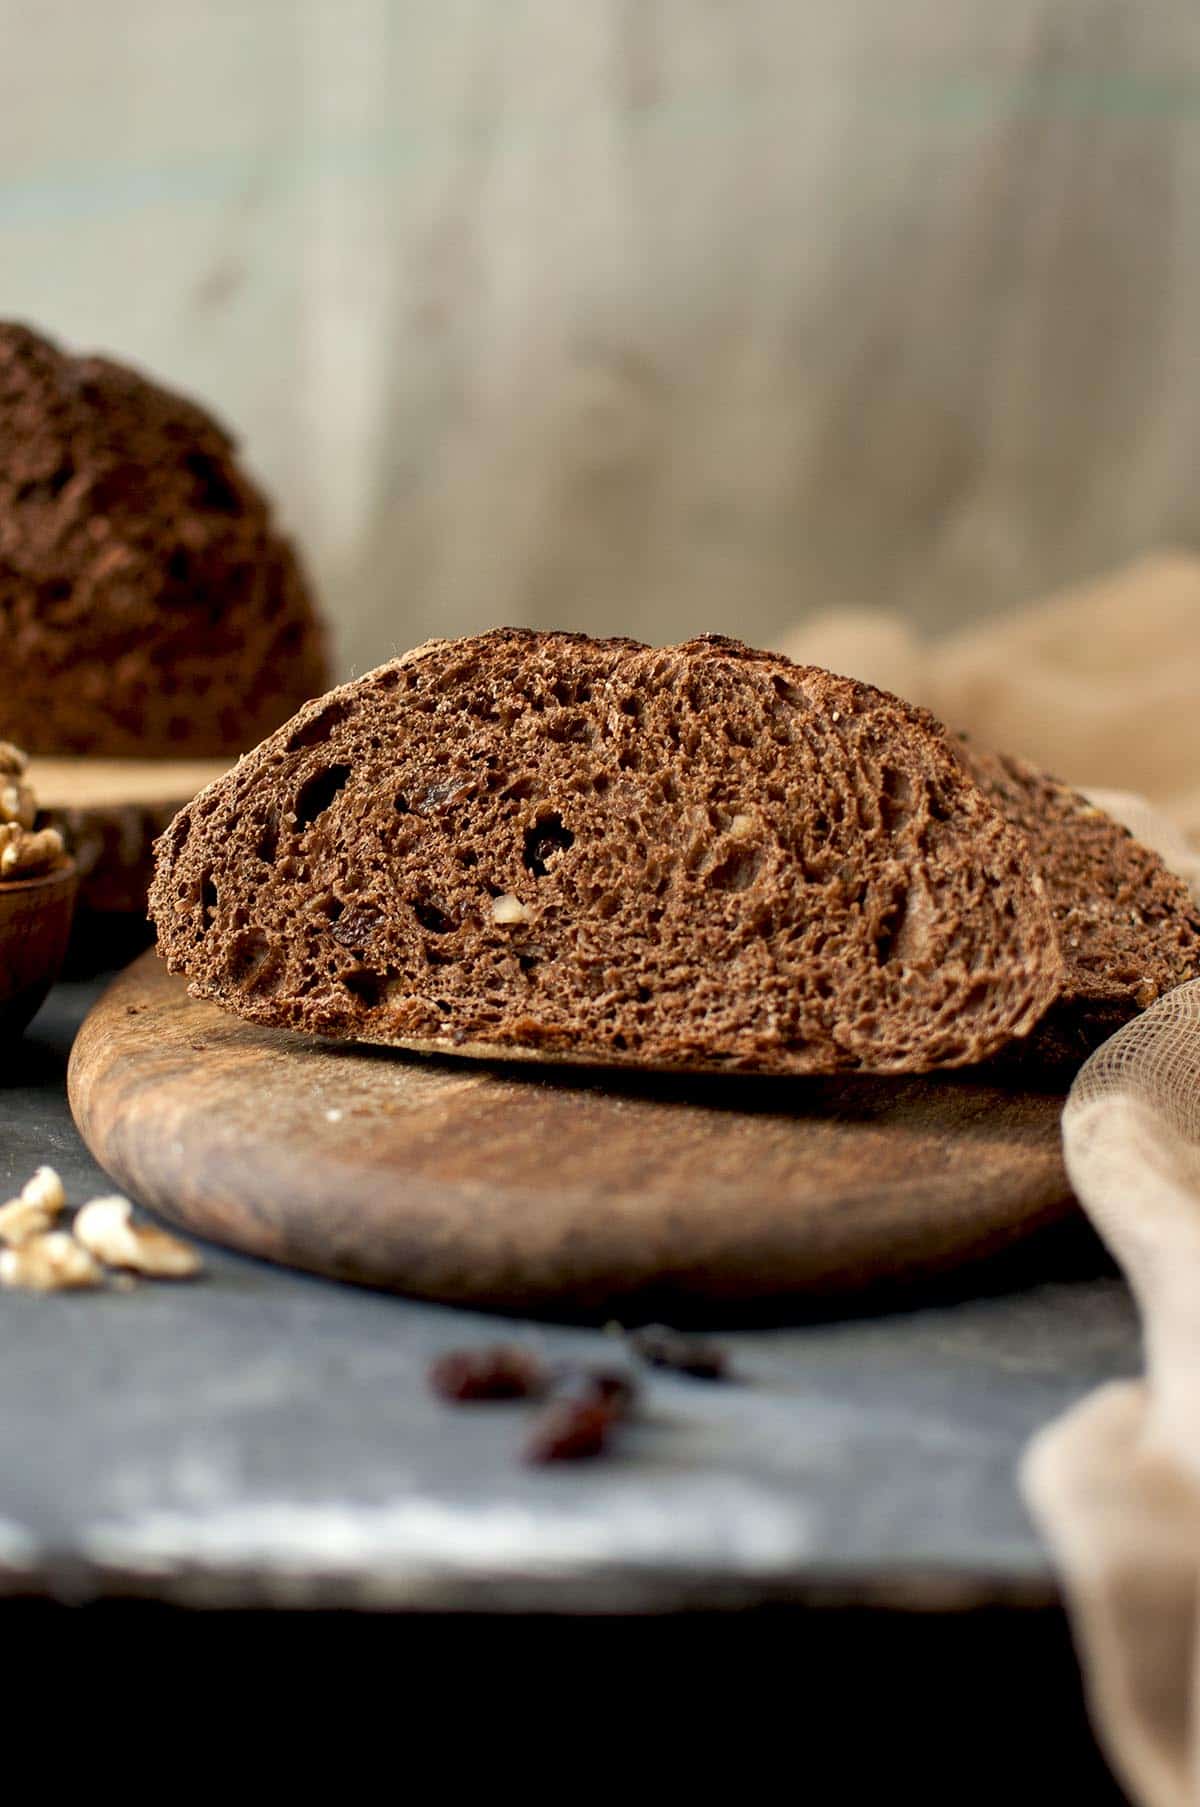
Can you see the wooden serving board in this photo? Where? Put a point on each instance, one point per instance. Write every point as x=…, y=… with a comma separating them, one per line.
x=526, y=1188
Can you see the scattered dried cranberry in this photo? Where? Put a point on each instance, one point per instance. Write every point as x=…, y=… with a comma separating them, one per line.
x=495, y=1371
x=694, y=1355
x=569, y=1430
x=613, y=1387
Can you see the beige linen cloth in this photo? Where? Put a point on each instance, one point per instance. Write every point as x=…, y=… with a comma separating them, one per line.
x=1102, y=686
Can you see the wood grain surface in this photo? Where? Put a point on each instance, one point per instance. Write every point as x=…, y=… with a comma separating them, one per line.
x=551, y=1190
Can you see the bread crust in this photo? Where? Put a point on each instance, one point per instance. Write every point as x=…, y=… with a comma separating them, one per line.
x=149, y=606
x=1128, y=928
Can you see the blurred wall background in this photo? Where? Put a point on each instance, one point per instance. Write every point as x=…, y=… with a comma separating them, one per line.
x=640, y=315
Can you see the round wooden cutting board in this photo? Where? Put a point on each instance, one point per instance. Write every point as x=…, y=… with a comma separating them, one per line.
x=528, y=1188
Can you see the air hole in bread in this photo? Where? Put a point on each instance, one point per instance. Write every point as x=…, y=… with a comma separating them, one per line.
x=433, y=917
x=318, y=730
x=213, y=489
x=252, y=960
x=47, y=488
x=317, y=793
x=268, y=840
x=571, y=730
x=208, y=896
x=895, y=799
x=939, y=809
x=368, y=987
x=737, y=871
x=891, y=929
x=544, y=842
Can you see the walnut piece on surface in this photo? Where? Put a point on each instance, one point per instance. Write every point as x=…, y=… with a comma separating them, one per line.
x=34, y=1209
x=19, y=1220
x=105, y=1228
x=34, y=1255
x=12, y=760
x=45, y=1190
x=53, y=1262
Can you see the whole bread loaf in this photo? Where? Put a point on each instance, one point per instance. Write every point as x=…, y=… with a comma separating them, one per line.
x=546, y=845
x=1128, y=928
x=148, y=606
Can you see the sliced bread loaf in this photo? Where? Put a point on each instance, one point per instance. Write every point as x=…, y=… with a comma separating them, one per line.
x=1128, y=928
x=545, y=845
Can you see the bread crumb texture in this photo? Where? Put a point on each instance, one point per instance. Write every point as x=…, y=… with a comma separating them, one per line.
x=1128, y=927
x=690, y=857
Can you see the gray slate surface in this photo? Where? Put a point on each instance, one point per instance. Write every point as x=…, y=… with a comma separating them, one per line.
x=263, y=1436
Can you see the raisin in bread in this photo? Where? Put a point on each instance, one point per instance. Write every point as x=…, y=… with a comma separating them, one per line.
x=545, y=845
x=1128, y=927
x=148, y=606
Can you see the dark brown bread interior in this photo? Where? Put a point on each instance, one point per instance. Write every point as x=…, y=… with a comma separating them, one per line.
x=148, y=607
x=541, y=844
x=1128, y=927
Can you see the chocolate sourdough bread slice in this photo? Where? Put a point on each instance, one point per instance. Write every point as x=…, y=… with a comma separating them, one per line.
x=545, y=845
x=1128, y=927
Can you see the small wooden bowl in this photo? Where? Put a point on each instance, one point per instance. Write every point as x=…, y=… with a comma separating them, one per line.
x=35, y=926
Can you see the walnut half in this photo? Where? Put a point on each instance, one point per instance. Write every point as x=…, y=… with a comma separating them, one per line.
x=106, y=1229
x=53, y=1262
x=22, y=854
x=24, y=850
x=35, y=1208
